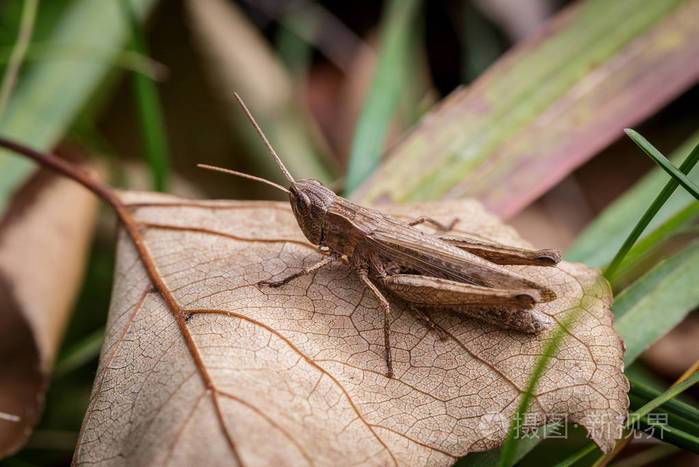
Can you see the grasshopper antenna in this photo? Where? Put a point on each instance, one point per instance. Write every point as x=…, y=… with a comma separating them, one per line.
x=279, y=162
x=243, y=175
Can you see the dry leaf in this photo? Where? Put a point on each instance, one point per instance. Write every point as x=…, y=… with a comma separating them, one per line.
x=295, y=375
x=43, y=242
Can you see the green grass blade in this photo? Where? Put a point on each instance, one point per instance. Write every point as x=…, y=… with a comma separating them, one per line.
x=492, y=457
x=670, y=286
x=126, y=59
x=83, y=351
x=657, y=301
x=682, y=409
x=669, y=394
x=662, y=161
x=635, y=416
x=525, y=123
x=50, y=94
x=480, y=42
x=680, y=431
x=667, y=191
x=600, y=241
x=150, y=115
x=384, y=94
x=18, y=52
x=670, y=434
x=682, y=222
x=509, y=447
x=680, y=425
x=294, y=50
x=577, y=456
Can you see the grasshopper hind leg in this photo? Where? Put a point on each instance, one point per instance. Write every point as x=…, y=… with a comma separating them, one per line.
x=423, y=316
x=508, y=309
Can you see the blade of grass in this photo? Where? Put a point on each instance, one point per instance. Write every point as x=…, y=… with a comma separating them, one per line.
x=50, y=94
x=152, y=126
x=80, y=353
x=638, y=323
x=635, y=420
x=671, y=414
x=667, y=191
x=492, y=457
x=293, y=49
x=678, y=431
x=383, y=98
x=600, y=241
x=509, y=447
x=318, y=28
x=507, y=138
x=577, y=456
x=675, y=406
x=18, y=52
x=670, y=434
x=681, y=428
x=671, y=393
x=480, y=43
x=680, y=223
x=671, y=287
x=662, y=161
x=126, y=59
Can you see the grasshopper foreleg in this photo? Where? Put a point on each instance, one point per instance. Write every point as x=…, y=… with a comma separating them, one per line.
x=364, y=276
x=302, y=272
x=435, y=223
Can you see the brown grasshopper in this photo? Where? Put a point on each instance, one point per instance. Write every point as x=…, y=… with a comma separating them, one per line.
x=442, y=271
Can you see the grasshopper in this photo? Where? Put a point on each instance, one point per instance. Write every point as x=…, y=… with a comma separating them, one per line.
x=445, y=271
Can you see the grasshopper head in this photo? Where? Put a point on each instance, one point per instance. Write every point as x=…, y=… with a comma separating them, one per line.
x=310, y=201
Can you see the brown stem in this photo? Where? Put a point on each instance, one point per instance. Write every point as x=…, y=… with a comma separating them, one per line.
x=108, y=195
x=65, y=168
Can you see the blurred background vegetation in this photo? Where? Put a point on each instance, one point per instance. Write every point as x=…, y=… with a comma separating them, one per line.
x=143, y=90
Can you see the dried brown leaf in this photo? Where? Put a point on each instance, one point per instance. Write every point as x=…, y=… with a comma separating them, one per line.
x=295, y=375
x=43, y=242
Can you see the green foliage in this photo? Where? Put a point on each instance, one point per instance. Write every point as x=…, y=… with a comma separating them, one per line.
x=18, y=52
x=657, y=301
x=665, y=164
x=383, y=99
x=640, y=414
x=602, y=239
x=526, y=123
x=152, y=126
x=657, y=204
x=50, y=94
x=508, y=449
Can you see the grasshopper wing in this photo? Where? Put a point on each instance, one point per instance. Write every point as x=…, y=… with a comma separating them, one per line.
x=416, y=251
x=499, y=253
